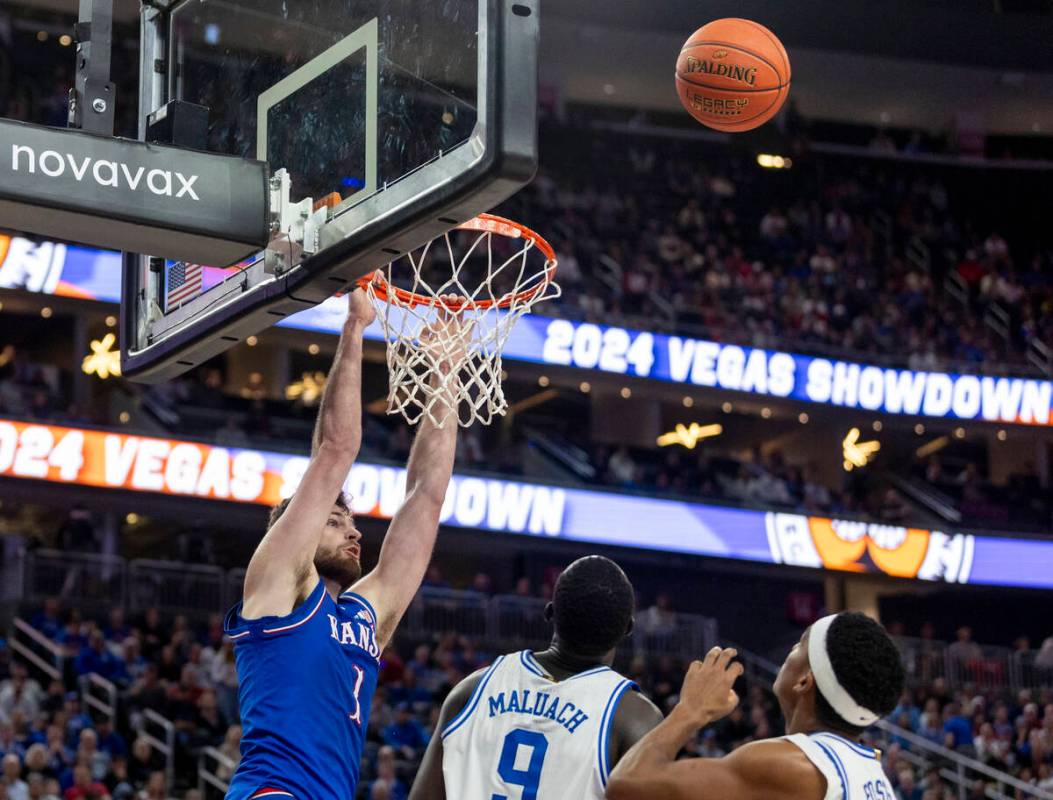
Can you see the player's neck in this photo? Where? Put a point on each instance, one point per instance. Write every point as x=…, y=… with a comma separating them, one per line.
x=561, y=665
x=333, y=588
x=811, y=724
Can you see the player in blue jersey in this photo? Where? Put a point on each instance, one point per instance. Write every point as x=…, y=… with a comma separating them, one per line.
x=310, y=629
x=841, y=677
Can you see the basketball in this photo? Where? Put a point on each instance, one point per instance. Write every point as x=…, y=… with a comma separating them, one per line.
x=733, y=75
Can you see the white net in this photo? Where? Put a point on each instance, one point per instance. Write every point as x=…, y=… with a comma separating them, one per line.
x=447, y=311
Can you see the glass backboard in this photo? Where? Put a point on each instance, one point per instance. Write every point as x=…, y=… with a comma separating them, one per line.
x=397, y=119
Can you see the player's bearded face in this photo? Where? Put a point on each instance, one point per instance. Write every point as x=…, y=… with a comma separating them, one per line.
x=337, y=556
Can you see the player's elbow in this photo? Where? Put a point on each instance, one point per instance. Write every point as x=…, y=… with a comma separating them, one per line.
x=335, y=455
x=427, y=491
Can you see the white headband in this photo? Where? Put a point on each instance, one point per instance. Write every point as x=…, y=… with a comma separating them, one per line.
x=840, y=700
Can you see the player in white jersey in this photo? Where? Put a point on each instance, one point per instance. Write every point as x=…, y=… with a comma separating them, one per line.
x=546, y=725
x=843, y=676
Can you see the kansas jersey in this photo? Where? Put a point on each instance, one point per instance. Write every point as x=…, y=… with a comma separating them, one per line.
x=524, y=736
x=306, y=685
x=851, y=769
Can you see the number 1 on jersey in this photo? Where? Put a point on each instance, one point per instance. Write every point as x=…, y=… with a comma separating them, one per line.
x=530, y=777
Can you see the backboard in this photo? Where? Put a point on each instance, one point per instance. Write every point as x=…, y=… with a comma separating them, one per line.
x=383, y=123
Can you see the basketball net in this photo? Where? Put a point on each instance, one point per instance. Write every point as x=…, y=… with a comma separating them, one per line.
x=444, y=354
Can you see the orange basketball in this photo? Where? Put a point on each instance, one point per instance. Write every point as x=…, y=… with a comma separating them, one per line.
x=733, y=75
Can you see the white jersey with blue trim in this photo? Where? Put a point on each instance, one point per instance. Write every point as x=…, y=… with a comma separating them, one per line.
x=525, y=736
x=852, y=770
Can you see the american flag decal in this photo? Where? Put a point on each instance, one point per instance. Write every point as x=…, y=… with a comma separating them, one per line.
x=182, y=283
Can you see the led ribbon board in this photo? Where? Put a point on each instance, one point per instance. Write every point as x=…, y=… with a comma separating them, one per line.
x=114, y=460
x=95, y=274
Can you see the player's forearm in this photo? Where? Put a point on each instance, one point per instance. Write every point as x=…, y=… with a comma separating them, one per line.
x=340, y=414
x=431, y=460
x=635, y=776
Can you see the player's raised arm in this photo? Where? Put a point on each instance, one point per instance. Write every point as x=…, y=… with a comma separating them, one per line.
x=282, y=571
x=770, y=770
x=408, y=545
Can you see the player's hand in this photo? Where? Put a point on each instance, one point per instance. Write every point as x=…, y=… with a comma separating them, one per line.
x=446, y=338
x=360, y=311
x=707, y=694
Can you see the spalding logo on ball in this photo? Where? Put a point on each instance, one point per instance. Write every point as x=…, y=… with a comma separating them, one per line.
x=733, y=75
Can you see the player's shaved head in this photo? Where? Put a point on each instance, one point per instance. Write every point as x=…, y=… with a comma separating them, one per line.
x=592, y=607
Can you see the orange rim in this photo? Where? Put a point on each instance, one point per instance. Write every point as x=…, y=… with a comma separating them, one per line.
x=484, y=223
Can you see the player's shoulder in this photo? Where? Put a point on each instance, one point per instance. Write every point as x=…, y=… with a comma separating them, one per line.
x=462, y=699
x=636, y=703
x=463, y=692
x=781, y=766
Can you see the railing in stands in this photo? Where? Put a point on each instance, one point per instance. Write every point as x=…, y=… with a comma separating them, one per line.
x=212, y=777
x=1040, y=355
x=918, y=254
x=175, y=586
x=982, y=666
x=512, y=623
x=961, y=771
x=159, y=732
x=94, y=581
x=234, y=586
x=36, y=649
x=956, y=287
x=998, y=321
x=99, y=695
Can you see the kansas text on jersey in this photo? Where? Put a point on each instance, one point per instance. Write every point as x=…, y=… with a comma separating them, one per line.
x=306, y=685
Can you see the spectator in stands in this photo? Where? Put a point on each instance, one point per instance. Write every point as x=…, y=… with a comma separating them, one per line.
x=907, y=789
x=19, y=694
x=433, y=578
x=990, y=748
x=37, y=761
x=72, y=636
x=524, y=588
x=482, y=584
x=77, y=533
x=152, y=632
x=406, y=735
x=109, y=739
x=76, y=719
x=48, y=620
x=59, y=755
x=1044, y=657
x=660, y=619
x=958, y=730
x=209, y=724
x=965, y=651
x=224, y=677
x=621, y=468
x=930, y=726
x=118, y=782
x=88, y=752
x=96, y=657
x=134, y=662
x=144, y=762
x=231, y=748
x=10, y=778
x=84, y=787
x=386, y=776
x=116, y=630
